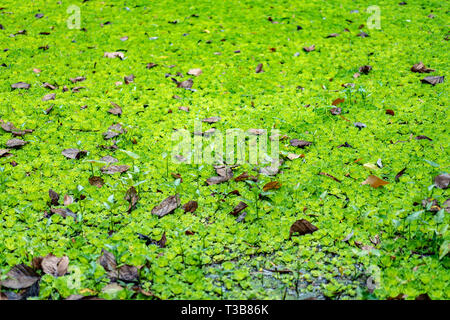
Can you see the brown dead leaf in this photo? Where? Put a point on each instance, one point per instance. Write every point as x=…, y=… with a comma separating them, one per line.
x=50, y=96
x=20, y=277
x=63, y=212
x=113, y=131
x=186, y=84
x=374, y=181
x=310, y=48
x=303, y=227
x=259, y=68
x=420, y=68
x=73, y=153
x=245, y=176
x=77, y=79
x=338, y=101
x=211, y=120
x=336, y=111
x=20, y=85
x=442, y=181
x=271, y=185
x=5, y=153
x=195, y=72
x=167, y=206
x=129, y=79
x=399, y=174
x=15, y=143
x=241, y=206
x=365, y=69
x=96, y=181
x=292, y=156
x=55, y=266
x=114, y=55
x=114, y=169
x=54, y=197
x=68, y=200
x=433, y=80
x=190, y=206
x=132, y=197
x=299, y=143
x=330, y=176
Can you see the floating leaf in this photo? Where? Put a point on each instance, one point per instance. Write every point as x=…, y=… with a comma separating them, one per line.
x=73, y=153
x=167, y=206
x=195, y=72
x=299, y=143
x=96, y=181
x=374, y=181
x=442, y=181
x=302, y=227
x=20, y=277
x=54, y=197
x=420, y=68
x=271, y=185
x=114, y=169
x=433, y=80
x=15, y=143
x=309, y=49
x=338, y=101
x=241, y=206
x=132, y=197
x=190, y=206
x=20, y=85
x=55, y=266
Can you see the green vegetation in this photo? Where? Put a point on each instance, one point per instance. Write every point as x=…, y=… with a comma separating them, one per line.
x=371, y=243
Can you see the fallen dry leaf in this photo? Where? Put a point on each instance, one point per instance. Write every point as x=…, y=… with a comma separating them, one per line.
x=374, y=181
x=330, y=176
x=63, y=212
x=96, y=181
x=114, y=169
x=116, y=110
x=15, y=143
x=433, y=80
x=365, y=69
x=310, y=48
x=338, y=101
x=302, y=227
x=420, y=68
x=114, y=55
x=211, y=120
x=77, y=79
x=195, y=72
x=129, y=79
x=132, y=197
x=236, y=210
x=271, y=185
x=55, y=266
x=20, y=85
x=167, y=206
x=73, y=153
x=442, y=181
x=20, y=277
x=190, y=206
x=245, y=176
x=299, y=143
x=54, y=197
x=50, y=96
